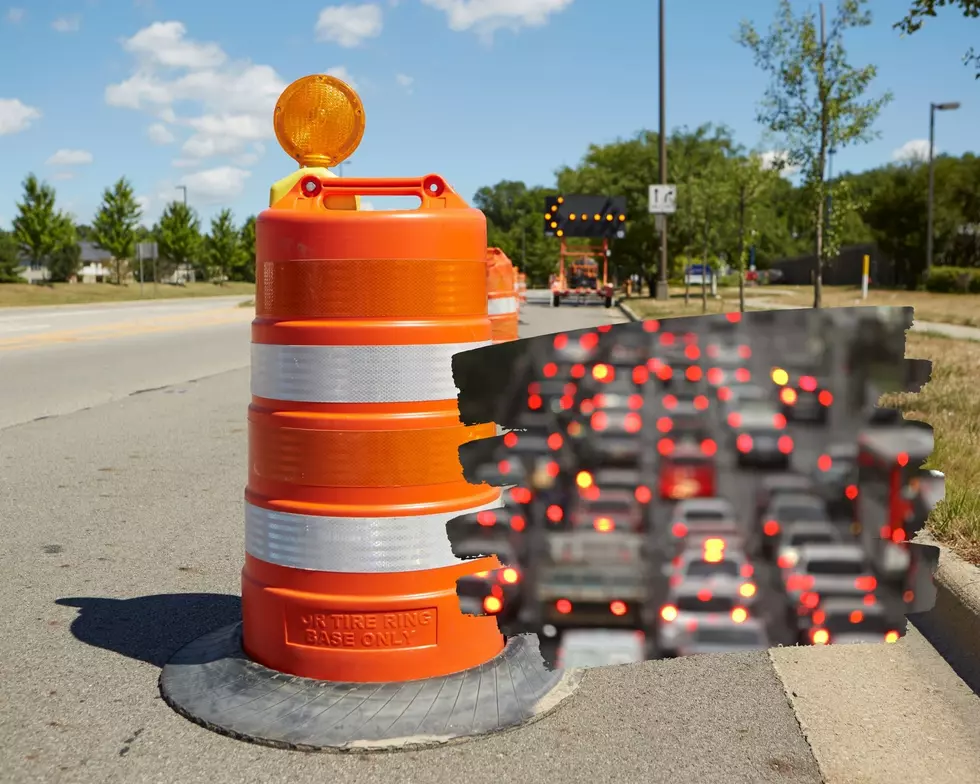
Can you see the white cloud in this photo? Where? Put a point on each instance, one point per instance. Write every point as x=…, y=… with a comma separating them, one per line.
x=777, y=159
x=16, y=116
x=914, y=151
x=485, y=17
x=14, y=15
x=67, y=24
x=160, y=134
x=405, y=81
x=221, y=185
x=250, y=158
x=349, y=25
x=70, y=158
x=341, y=72
x=226, y=104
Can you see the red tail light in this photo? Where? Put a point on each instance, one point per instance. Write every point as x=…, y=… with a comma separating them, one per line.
x=555, y=441
x=550, y=370
x=632, y=422
x=643, y=494
x=825, y=462
x=743, y=376
x=504, y=466
x=734, y=317
x=744, y=443
x=825, y=398
x=665, y=372
x=617, y=608
x=510, y=440
x=787, y=395
x=809, y=599
x=808, y=383
x=665, y=446
x=561, y=341
x=724, y=394
x=492, y=605
x=578, y=371
x=563, y=606
x=785, y=444
x=670, y=401
x=866, y=583
x=517, y=523
x=799, y=582
x=745, y=352
x=486, y=518
x=664, y=424
x=715, y=376
x=734, y=419
x=693, y=373
x=534, y=402
x=666, y=338
x=692, y=352
x=635, y=401
x=640, y=375
x=709, y=447
x=555, y=513
x=679, y=530
x=599, y=421
x=700, y=403
x=784, y=562
x=778, y=421
x=770, y=528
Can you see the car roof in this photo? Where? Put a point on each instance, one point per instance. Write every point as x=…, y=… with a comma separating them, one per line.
x=705, y=504
x=797, y=499
x=752, y=622
x=730, y=554
x=725, y=589
x=843, y=551
x=843, y=450
x=810, y=525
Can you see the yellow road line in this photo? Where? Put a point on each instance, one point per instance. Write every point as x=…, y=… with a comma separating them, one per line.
x=108, y=331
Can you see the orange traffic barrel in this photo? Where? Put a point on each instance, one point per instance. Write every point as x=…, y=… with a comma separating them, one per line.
x=501, y=296
x=522, y=287
x=352, y=635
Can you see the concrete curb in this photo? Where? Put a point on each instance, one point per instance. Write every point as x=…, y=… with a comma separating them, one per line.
x=952, y=626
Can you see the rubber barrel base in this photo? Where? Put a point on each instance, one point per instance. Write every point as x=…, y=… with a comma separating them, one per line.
x=214, y=684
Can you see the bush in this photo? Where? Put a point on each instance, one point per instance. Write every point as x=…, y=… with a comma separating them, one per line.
x=953, y=280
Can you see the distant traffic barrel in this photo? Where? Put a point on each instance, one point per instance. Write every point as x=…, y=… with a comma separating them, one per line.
x=501, y=296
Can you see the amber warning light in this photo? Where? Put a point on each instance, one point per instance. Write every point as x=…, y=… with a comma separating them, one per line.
x=319, y=121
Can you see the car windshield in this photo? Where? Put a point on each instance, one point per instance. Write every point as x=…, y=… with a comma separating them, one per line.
x=714, y=604
x=688, y=461
x=709, y=569
x=834, y=566
x=704, y=515
x=732, y=636
x=802, y=512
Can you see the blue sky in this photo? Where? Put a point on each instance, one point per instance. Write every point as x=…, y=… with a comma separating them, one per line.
x=180, y=92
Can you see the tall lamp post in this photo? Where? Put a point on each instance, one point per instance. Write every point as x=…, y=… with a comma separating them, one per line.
x=933, y=108
x=184, y=189
x=663, y=293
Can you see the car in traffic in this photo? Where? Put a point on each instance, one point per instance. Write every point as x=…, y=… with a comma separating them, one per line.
x=600, y=648
x=613, y=439
x=835, y=479
x=818, y=572
x=713, y=561
x=804, y=398
x=787, y=508
x=693, y=602
x=803, y=532
x=761, y=440
x=844, y=619
x=775, y=484
x=696, y=519
x=723, y=635
x=687, y=470
x=613, y=509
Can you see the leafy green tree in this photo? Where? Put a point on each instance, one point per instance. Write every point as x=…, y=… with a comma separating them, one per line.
x=222, y=246
x=515, y=222
x=244, y=270
x=65, y=260
x=38, y=221
x=178, y=237
x=114, y=227
x=815, y=100
x=9, y=258
x=921, y=9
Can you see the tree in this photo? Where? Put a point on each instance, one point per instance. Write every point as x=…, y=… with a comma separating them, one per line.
x=9, y=258
x=65, y=260
x=752, y=181
x=114, y=227
x=814, y=101
x=222, y=246
x=245, y=269
x=178, y=235
x=38, y=221
x=921, y=9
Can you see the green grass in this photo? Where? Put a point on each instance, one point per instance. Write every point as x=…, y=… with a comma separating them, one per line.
x=26, y=295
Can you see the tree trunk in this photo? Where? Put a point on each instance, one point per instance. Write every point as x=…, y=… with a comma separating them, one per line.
x=818, y=264
x=741, y=250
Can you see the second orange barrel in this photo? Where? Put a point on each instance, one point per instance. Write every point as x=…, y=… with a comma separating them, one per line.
x=501, y=296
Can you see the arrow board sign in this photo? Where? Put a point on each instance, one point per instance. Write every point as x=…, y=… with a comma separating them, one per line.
x=663, y=199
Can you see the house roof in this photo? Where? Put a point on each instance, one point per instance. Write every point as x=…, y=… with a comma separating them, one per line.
x=91, y=254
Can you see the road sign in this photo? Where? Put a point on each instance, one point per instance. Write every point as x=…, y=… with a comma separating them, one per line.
x=579, y=215
x=146, y=250
x=663, y=199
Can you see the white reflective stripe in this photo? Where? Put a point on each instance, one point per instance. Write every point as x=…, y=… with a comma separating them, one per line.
x=498, y=307
x=356, y=374
x=363, y=545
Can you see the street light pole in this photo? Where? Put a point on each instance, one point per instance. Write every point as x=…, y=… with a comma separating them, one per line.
x=663, y=292
x=933, y=108
x=184, y=189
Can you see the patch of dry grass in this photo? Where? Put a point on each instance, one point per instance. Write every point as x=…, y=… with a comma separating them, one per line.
x=647, y=307
x=950, y=402
x=27, y=295
x=940, y=308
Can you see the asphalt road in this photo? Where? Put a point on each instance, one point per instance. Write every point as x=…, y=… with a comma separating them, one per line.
x=56, y=360
x=123, y=540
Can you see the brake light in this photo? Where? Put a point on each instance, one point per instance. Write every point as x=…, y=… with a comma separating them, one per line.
x=603, y=525
x=668, y=613
x=520, y=495
x=643, y=494
x=808, y=383
x=715, y=376
x=733, y=317
x=709, y=447
x=898, y=535
x=599, y=421
x=561, y=340
x=555, y=513
x=617, y=608
x=799, y=582
x=693, y=373
x=747, y=590
x=785, y=562
x=534, y=402
x=866, y=583
x=700, y=402
x=517, y=523
x=510, y=576
x=632, y=422
x=734, y=419
x=665, y=372
x=589, y=341
x=745, y=352
x=825, y=398
x=778, y=421
x=809, y=599
x=744, y=443
x=492, y=605
x=820, y=637
x=747, y=570
x=550, y=370
x=891, y=636
x=743, y=376
x=770, y=527
x=664, y=424
x=577, y=370
x=665, y=446
x=902, y=459
x=785, y=444
x=635, y=401
x=666, y=338
x=679, y=530
x=563, y=606
x=504, y=466
x=486, y=518
x=856, y=616
x=851, y=491
x=555, y=441
x=825, y=462
x=739, y=614
x=651, y=325
x=510, y=440
x=670, y=401
x=692, y=352
x=640, y=375
x=788, y=395
x=724, y=394
x=552, y=469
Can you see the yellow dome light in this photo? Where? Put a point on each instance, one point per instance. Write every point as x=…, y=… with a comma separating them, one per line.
x=319, y=121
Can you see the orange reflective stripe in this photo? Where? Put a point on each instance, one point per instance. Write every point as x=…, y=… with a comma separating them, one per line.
x=505, y=327
x=369, y=288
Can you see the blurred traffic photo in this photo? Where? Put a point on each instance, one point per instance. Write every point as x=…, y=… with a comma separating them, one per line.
x=697, y=485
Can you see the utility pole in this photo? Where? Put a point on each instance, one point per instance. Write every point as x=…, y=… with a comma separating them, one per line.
x=823, y=97
x=184, y=189
x=663, y=293
x=933, y=108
